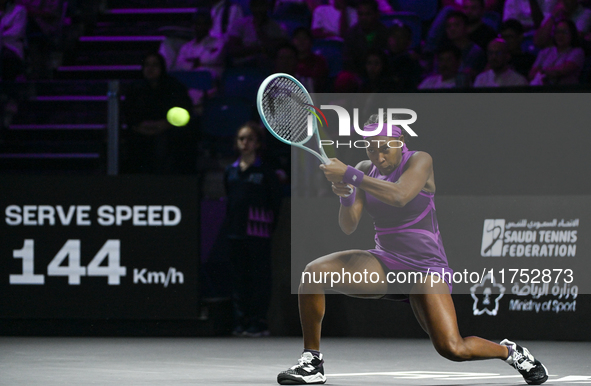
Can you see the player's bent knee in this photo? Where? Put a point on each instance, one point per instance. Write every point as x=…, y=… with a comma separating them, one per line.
x=315, y=275
x=452, y=350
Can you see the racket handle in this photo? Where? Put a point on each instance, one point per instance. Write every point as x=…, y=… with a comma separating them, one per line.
x=351, y=190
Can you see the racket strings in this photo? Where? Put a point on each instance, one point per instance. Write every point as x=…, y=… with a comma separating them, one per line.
x=283, y=105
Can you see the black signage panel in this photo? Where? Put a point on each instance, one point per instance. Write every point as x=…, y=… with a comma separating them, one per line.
x=99, y=247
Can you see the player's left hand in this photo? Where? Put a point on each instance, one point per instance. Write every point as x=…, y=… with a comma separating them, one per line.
x=342, y=189
x=334, y=171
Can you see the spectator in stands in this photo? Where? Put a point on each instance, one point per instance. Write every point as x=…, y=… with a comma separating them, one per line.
x=44, y=26
x=499, y=73
x=512, y=33
x=253, y=40
x=171, y=45
x=562, y=62
x=310, y=65
x=223, y=14
x=13, y=24
x=377, y=76
x=448, y=64
x=436, y=38
x=44, y=16
x=564, y=9
x=369, y=33
x=402, y=61
x=153, y=145
x=473, y=57
x=286, y=60
x=333, y=20
x=253, y=202
x=478, y=31
x=205, y=52
x=530, y=13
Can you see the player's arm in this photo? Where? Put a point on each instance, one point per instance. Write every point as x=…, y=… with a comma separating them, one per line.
x=399, y=193
x=410, y=183
x=349, y=215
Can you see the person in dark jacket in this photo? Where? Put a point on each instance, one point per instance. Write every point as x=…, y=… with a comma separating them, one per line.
x=152, y=145
x=253, y=199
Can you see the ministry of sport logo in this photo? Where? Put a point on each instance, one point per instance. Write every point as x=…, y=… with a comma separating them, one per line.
x=529, y=238
x=486, y=296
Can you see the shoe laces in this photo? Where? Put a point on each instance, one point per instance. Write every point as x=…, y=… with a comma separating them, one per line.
x=304, y=361
x=522, y=362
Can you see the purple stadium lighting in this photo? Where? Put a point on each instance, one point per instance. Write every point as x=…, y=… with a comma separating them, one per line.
x=82, y=126
x=49, y=155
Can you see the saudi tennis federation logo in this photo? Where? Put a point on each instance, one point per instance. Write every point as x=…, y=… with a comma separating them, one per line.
x=492, y=237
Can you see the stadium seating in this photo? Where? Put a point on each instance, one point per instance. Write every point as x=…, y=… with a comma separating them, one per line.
x=242, y=82
x=200, y=80
x=222, y=116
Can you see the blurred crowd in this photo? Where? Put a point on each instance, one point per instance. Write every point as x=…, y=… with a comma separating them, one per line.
x=336, y=46
x=343, y=45
x=33, y=35
x=373, y=47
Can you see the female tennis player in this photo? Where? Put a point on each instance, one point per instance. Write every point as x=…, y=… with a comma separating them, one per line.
x=396, y=187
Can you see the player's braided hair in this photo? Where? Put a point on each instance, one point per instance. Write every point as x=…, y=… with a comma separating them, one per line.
x=375, y=119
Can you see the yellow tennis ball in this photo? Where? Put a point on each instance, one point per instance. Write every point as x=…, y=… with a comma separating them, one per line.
x=177, y=116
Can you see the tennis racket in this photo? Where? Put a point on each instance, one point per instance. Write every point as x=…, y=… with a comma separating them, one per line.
x=284, y=106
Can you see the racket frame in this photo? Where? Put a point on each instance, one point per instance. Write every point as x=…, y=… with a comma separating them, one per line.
x=322, y=156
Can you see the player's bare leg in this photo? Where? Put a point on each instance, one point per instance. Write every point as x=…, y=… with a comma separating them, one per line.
x=311, y=295
x=434, y=309
x=312, y=303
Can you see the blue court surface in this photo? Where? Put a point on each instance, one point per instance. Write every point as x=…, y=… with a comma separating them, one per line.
x=256, y=361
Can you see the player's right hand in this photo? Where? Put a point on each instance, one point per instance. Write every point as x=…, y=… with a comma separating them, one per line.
x=342, y=189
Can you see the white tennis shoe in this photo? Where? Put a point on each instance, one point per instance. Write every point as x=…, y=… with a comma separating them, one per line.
x=533, y=371
x=309, y=370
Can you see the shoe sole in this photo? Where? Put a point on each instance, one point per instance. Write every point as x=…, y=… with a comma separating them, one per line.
x=506, y=342
x=540, y=381
x=292, y=382
x=287, y=379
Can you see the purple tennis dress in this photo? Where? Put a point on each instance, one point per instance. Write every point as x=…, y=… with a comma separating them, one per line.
x=407, y=238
